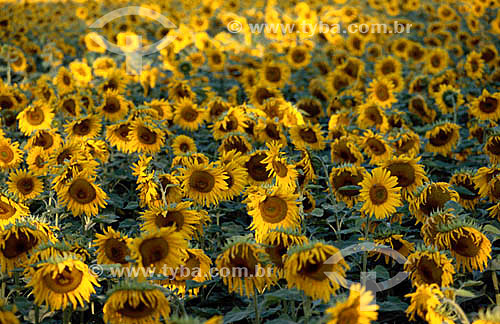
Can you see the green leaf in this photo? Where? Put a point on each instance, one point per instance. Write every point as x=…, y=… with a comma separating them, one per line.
x=349, y=188
x=464, y=293
x=464, y=191
x=236, y=314
x=491, y=229
x=317, y=212
x=471, y=283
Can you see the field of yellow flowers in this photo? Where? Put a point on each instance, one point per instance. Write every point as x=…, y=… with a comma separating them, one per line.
x=249, y=161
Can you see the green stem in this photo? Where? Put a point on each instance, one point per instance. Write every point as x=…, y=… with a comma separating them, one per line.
x=367, y=230
x=67, y=315
x=37, y=314
x=307, y=308
x=256, y=306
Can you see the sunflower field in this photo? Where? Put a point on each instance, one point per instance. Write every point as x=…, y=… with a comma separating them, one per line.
x=249, y=161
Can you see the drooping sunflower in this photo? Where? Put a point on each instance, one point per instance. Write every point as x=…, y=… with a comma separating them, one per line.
x=307, y=136
x=195, y=267
x=236, y=176
x=380, y=193
x=375, y=147
x=11, y=210
x=188, y=115
x=49, y=140
x=257, y=171
x=344, y=150
x=463, y=179
x=163, y=247
x=232, y=121
x=24, y=184
x=183, y=144
x=430, y=198
x=487, y=181
x=244, y=268
x=406, y=143
x=70, y=105
x=61, y=281
x=112, y=247
x=359, y=308
x=276, y=242
x=278, y=168
x=8, y=313
x=342, y=177
x=426, y=304
x=467, y=245
x=486, y=106
x=305, y=168
x=260, y=92
x=316, y=268
x=418, y=106
x=275, y=74
x=371, y=115
x=37, y=116
x=490, y=316
x=82, y=195
x=179, y=216
x=448, y=98
x=268, y=130
x=396, y=243
x=83, y=128
x=443, y=137
x=117, y=135
x=136, y=302
x=310, y=108
x=492, y=147
x=428, y=266
x=144, y=137
x=203, y=182
x=114, y=106
x=409, y=172
x=271, y=209
x=381, y=92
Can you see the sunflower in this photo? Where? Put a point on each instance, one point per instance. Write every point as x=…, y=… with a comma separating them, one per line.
x=83, y=128
x=117, y=135
x=268, y=130
x=257, y=171
x=216, y=59
x=474, y=65
x=409, y=172
x=305, y=168
x=491, y=148
x=343, y=150
x=116, y=81
x=260, y=92
x=114, y=106
x=310, y=108
x=188, y=115
x=145, y=137
x=195, y=267
x=464, y=180
x=134, y=302
x=371, y=115
x=486, y=106
x=183, y=144
x=359, y=308
x=178, y=90
x=37, y=116
x=11, y=210
x=238, y=143
x=299, y=56
x=443, y=137
x=271, y=209
x=103, y=66
x=81, y=72
x=160, y=248
x=275, y=74
x=81, y=195
x=70, y=105
x=487, y=182
x=448, y=98
x=64, y=81
x=62, y=280
x=427, y=266
x=375, y=147
x=244, y=268
x=380, y=193
x=467, y=245
x=10, y=154
x=112, y=247
x=394, y=242
x=316, y=268
x=20, y=237
x=426, y=304
x=430, y=198
x=178, y=216
x=236, y=177
x=24, y=184
x=343, y=177
x=276, y=242
x=388, y=66
x=232, y=121
x=278, y=168
x=203, y=182
x=437, y=59
x=49, y=140
x=307, y=136
x=381, y=92
x=419, y=107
